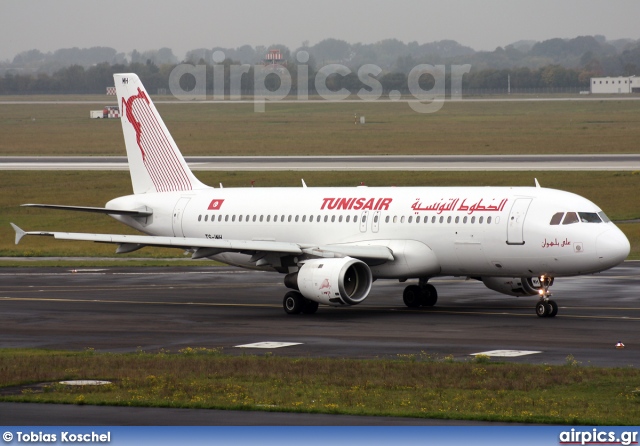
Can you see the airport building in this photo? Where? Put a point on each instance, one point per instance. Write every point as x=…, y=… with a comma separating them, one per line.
x=623, y=84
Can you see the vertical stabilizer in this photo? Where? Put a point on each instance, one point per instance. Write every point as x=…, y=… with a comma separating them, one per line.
x=155, y=162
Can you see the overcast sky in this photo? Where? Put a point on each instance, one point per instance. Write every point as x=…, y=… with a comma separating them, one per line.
x=188, y=24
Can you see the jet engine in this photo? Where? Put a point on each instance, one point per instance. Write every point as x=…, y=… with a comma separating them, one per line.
x=514, y=286
x=343, y=281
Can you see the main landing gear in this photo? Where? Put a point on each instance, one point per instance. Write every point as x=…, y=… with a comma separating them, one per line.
x=546, y=307
x=296, y=303
x=421, y=295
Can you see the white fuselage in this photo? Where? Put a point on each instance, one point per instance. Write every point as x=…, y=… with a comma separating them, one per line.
x=472, y=231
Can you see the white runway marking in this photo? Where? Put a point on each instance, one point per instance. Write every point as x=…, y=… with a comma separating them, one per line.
x=506, y=353
x=85, y=382
x=269, y=345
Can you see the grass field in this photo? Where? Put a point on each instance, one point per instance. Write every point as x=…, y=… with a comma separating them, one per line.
x=610, y=190
x=479, y=389
x=205, y=378
x=551, y=127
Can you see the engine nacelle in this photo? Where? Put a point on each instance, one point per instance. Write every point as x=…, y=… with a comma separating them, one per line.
x=514, y=286
x=343, y=281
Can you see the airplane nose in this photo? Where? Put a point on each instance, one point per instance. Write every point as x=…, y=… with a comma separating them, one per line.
x=612, y=247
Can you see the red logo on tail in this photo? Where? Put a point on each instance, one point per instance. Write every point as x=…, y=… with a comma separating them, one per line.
x=128, y=106
x=160, y=156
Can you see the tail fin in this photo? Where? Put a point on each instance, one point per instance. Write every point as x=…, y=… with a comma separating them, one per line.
x=155, y=162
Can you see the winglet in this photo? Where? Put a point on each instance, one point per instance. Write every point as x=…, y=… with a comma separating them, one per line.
x=19, y=233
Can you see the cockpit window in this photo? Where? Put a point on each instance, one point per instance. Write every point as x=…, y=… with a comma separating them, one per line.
x=570, y=218
x=589, y=217
x=557, y=218
x=604, y=217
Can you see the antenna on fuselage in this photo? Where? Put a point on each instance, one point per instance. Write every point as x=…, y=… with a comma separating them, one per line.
x=303, y=183
x=537, y=184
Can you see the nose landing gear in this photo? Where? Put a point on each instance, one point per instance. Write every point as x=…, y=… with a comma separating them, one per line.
x=545, y=306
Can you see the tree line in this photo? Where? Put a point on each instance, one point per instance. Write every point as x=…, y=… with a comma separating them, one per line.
x=76, y=79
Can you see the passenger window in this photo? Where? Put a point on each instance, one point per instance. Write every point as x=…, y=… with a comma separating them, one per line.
x=433, y=219
x=199, y=217
x=375, y=219
x=289, y=219
x=261, y=218
x=441, y=219
x=355, y=219
x=326, y=218
x=586, y=217
x=418, y=219
x=395, y=219
x=333, y=219
x=457, y=220
x=488, y=220
x=570, y=218
x=402, y=219
x=464, y=220
x=268, y=218
x=556, y=219
x=226, y=218
x=410, y=219
x=318, y=219
x=254, y=218
x=340, y=219
x=296, y=219
x=304, y=218
x=473, y=220
x=449, y=219
x=233, y=218
x=240, y=218
x=348, y=218
x=480, y=220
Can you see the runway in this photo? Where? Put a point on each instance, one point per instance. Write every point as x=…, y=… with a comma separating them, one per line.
x=125, y=309
x=128, y=309
x=593, y=162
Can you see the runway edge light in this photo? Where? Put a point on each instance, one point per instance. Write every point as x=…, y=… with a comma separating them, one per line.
x=619, y=345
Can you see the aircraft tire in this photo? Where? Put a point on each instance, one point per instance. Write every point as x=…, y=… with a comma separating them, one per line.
x=554, y=308
x=429, y=296
x=542, y=310
x=309, y=307
x=412, y=296
x=293, y=302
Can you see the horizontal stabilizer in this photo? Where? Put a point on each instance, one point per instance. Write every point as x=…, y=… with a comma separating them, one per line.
x=130, y=213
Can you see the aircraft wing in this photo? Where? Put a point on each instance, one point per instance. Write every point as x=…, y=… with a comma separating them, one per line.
x=208, y=247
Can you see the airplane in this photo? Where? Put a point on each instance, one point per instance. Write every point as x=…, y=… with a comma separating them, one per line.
x=332, y=243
